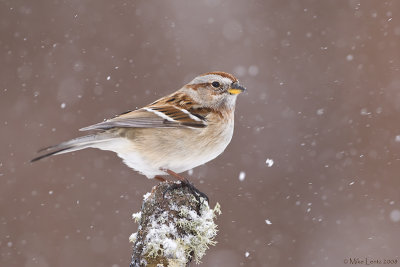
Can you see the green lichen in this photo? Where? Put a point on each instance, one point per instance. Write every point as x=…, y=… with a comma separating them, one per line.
x=136, y=216
x=201, y=230
x=133, y=237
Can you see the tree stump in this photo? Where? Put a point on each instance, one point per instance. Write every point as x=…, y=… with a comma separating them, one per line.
x=174, y=229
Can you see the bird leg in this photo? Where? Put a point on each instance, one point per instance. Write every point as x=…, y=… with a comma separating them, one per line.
x=160, y=178
x=174, y=174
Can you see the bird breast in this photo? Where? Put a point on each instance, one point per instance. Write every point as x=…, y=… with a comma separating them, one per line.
x=177, y=149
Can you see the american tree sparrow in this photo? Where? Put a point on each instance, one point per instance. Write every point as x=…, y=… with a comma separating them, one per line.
x=171, y=135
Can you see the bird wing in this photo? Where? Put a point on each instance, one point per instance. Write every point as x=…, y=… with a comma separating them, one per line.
x=156, y=116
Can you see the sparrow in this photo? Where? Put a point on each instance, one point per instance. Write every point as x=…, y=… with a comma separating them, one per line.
x=174, y=134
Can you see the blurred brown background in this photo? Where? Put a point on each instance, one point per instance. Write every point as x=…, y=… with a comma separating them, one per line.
x=323, y=102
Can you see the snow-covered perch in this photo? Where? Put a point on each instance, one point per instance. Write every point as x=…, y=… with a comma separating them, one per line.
x=174, y=228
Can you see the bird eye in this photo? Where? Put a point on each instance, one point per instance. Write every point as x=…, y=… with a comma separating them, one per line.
x=216, y=84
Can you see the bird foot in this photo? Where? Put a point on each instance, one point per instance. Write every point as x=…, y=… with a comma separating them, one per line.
x=192, y=189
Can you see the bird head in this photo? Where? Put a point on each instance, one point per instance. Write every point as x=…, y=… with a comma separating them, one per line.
x=215, y=90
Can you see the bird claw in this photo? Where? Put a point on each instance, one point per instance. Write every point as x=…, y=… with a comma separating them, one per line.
x=192, y=189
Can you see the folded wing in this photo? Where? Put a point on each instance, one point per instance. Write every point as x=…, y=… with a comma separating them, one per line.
x=152, y=117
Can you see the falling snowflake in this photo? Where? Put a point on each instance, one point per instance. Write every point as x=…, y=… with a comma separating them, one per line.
x=320, y=111
x=269, y=162
x=349, y=57
x=395, y=215
x=242, y=176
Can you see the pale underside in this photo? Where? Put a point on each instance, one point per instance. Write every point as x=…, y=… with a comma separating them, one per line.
x=175, y=149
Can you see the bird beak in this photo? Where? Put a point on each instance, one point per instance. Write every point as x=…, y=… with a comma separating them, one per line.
x=236, y=89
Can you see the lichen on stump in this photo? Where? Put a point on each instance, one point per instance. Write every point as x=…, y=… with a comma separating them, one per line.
x=174, y=227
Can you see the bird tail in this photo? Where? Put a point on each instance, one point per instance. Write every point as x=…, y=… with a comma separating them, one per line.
x=74, y=145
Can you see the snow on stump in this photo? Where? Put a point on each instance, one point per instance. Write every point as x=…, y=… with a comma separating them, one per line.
x=174, y=227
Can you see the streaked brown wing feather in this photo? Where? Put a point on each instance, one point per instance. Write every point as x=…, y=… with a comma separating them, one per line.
x=151, y=117
x=179, y=115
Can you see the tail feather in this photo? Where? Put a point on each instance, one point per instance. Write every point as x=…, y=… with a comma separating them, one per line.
x=73, y=145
